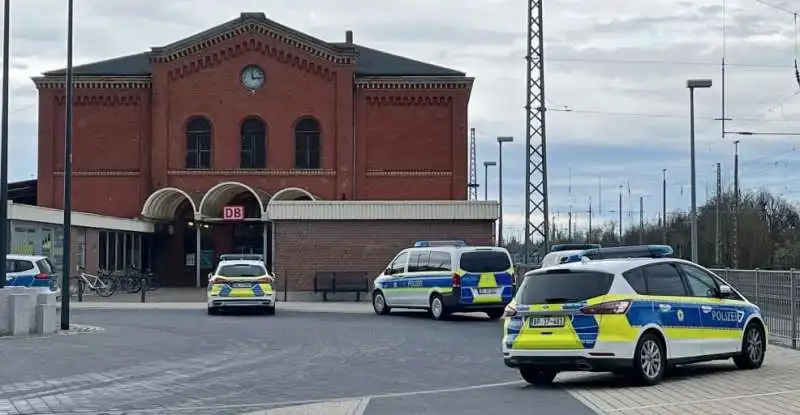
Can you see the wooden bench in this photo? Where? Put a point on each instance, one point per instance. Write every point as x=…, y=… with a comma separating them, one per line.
x=341, y=282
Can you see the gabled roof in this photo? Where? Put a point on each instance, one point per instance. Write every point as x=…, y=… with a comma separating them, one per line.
x=370, y=62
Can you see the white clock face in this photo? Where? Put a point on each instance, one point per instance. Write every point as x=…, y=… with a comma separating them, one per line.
x=253, y=77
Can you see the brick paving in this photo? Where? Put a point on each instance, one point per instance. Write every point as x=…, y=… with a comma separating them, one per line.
x=710, y=388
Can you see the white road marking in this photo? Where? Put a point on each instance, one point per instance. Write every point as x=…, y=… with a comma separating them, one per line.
x=362, y=407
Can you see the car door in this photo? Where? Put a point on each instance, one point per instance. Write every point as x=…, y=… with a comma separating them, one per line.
x=22, y=273
x=415, y=292
x=393, y=287
x=675, y=311
x=720, y=317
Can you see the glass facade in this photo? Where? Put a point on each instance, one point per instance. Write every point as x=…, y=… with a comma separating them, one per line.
x=121, y=250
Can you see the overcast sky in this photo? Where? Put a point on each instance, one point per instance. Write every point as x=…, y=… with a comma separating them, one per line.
x=619, y=66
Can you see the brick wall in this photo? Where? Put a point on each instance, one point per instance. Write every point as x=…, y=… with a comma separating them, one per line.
x=303, y=248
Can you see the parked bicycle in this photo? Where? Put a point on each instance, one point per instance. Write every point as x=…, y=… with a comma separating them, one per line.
x=103, y=285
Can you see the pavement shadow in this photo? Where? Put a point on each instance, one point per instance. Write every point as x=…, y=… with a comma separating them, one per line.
x=456, y=318
x=600, y=381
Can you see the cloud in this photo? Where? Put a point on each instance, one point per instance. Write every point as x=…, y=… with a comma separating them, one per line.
x=615, y=77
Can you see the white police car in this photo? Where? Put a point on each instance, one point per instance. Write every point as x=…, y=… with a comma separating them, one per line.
x=631, y=310
x=32, y=271
x=241, y=281
x=446, y=277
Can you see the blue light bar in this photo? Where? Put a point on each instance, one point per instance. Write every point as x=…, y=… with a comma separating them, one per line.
x=241, y=257
x=428, y=244
x=571, y=247
x=631, y=251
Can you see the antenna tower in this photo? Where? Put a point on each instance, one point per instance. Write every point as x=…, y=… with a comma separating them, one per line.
x=536, y=209
x=473, y=167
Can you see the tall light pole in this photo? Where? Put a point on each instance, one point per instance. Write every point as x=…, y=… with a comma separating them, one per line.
x=4, y=145
x=664, y=206
x=500, y=141
x=691, y=84
x=67, y=227
x=486, y=165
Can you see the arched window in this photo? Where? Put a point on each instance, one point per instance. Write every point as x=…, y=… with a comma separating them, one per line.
x=198, y=144
x=253, y=147
x=307, y=144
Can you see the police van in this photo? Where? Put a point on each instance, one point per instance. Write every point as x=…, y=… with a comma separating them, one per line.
x=446, y=277
x=634, y=310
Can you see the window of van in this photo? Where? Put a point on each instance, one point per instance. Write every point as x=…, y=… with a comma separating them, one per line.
x=563, y=286
x=485, y=261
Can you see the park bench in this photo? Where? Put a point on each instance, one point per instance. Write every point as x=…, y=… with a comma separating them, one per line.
x=341, y=282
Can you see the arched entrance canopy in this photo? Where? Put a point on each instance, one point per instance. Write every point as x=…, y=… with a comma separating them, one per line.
x=292, y=193
x=163, y=204
x=215, y=199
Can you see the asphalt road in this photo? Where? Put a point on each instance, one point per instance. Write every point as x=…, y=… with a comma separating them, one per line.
x=183, y=361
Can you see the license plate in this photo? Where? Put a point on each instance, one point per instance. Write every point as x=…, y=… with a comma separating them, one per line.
x=546, y=322
x=241, y=285
x=487, y=291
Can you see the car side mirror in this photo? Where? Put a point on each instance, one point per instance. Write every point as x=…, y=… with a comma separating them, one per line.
x=210, y=275
x=725, y=291
x=387, y=271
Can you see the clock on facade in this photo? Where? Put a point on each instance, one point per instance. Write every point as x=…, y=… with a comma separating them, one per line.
x=252, y=77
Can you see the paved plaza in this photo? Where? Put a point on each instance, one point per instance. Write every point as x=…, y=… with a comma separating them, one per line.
x=332, y=359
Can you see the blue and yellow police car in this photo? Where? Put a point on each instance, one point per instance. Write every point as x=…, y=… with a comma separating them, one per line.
x=445, y=277
x=632, y=310
x=241, y=281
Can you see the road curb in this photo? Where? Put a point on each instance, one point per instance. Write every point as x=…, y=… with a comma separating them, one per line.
x=290, y=306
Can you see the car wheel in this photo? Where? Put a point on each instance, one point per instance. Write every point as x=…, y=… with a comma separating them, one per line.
x=270, y=311
x=650, y=360
x=753, y=348
x=379, y=304
x=213, y=311
x=537, y=376
x=494, y=314
x=436, y=307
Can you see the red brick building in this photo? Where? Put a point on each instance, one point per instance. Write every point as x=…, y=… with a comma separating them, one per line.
x=253, y=114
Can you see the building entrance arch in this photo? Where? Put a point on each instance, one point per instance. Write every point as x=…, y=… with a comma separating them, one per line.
x=292, y=193
x=164, y=203
x=217, y=197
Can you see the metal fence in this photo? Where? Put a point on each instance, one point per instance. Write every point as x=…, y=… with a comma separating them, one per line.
x=776, y=292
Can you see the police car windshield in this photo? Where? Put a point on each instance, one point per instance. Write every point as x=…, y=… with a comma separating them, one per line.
x=485, y=261
x=241, y=270
x=563, y=287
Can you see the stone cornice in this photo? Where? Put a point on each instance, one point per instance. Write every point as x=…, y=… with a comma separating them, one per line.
x=253, y=172
x=99, y=173
x=409, y=173
x=414, y=82
x=94, y=82
x=254, y=25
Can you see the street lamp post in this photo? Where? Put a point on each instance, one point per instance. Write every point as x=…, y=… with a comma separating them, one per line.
x=500, y=141
x=4, y=146
x=486, y=165
x=67, y=226
x=691, y=84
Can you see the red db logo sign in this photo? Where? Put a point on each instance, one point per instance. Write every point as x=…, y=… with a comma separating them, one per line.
x=233, y=212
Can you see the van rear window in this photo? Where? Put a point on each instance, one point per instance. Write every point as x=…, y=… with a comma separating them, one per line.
x=485, y=261
x=563, y=286
x=45, y=266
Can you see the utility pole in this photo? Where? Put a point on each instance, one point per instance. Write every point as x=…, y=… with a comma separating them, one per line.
x=569, y=220
x=641, y=220
x=66, y=268
x=4, y=145
x=717, y=241
x=621, y=239
x=589, y=235
x=600, y=194
x=664, y=206
x=736, y=204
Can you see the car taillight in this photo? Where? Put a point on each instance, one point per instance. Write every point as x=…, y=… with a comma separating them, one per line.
x=42, y=276
x=219, y=281
x=264, y=280
x=610, y=307
x=456, y=281
x=510, y=311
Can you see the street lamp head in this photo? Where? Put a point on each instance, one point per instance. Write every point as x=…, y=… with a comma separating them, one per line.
x=489, y=163
x=505, y=139
x=698, y=83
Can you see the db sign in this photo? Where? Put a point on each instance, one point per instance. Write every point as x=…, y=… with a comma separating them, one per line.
x=233, y=212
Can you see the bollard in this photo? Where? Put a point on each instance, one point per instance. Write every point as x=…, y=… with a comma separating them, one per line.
x=285, y=289
x=81, y=287
x=144, y=288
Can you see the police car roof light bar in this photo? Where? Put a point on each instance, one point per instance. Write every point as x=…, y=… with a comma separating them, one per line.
x=241, y=257
x=428, y=244
x=631, y=251
x=570, y=247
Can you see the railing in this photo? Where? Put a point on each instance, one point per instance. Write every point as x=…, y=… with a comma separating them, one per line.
x=778, y=295
x=776, y=292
